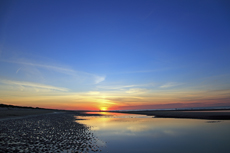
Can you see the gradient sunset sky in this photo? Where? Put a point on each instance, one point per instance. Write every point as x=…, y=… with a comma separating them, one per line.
x=116, y=54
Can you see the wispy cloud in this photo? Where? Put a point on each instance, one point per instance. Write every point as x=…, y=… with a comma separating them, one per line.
x=136, y=90
x=68, y=71
x=18, y=70
x=54, y=68
x=93, y=92
x=149, y=71
x=99, y=79
x=31, y=84
x=116, y=87
x=105, y=101
x=124, y=87
x=143, y=71
x=170, y=84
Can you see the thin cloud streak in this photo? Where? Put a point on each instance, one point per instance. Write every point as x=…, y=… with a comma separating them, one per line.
x=137, y=90
x=149, y=71
x=122, y=87
x=170, y=84
x=55, y=68
x=97, y=79
x=35, y=85
x=18, y=70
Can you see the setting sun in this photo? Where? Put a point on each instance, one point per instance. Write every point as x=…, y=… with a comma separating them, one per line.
x=103, y=108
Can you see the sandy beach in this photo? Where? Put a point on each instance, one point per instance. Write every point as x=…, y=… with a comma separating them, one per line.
x=44, y=131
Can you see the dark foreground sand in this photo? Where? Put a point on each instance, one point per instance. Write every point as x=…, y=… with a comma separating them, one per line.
x=52, y=132
x=19, y=112
x=211, y=115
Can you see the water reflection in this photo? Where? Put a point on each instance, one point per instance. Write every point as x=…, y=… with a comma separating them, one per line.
x=138, y=133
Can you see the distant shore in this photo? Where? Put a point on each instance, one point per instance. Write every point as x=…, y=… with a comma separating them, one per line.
x=10, y=111
x=198, y=114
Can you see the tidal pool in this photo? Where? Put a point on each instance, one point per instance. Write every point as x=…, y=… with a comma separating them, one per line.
x=126, y=133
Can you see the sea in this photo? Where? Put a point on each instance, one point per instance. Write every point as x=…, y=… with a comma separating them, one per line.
x=130, y=133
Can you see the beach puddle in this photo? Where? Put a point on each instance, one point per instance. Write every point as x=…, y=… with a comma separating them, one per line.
x=124, y=133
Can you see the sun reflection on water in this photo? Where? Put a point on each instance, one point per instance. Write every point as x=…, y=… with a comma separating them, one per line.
x=138, y=133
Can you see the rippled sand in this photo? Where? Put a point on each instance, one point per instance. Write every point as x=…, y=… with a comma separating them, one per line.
x=56, y=132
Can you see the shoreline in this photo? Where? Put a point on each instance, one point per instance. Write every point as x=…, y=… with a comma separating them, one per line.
x=15, y=113
x=184, y=114
x=18, y=113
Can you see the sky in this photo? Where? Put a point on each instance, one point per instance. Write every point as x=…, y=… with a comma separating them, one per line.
x=115, y=55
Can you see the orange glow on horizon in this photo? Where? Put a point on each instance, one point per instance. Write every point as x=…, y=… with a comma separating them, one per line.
x=93, y=105
x=103, y=108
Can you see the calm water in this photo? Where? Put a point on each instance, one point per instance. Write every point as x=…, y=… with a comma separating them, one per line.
x=138, y=133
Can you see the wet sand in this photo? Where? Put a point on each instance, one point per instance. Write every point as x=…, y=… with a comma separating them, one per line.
x=211, y=115
x=52, y=132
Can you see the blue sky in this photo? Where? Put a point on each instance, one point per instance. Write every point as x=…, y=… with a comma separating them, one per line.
x=116, y=54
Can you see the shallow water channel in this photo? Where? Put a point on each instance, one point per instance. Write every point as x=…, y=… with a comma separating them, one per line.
x=139, y=133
